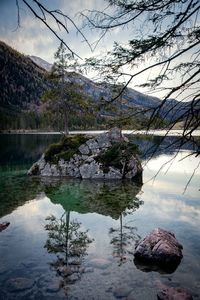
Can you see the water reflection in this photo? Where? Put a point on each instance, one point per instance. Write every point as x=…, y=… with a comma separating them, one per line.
x=16, y=190
x=114, y=212
x=19, y=151
x=66, y=238
x=69, y=243
x=147, y=267
x=106, y=198
x=153, y=146
x=122, y=239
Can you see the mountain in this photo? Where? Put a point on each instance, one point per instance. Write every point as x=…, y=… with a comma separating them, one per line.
x=22, y=84
x=171, y=110
x=41, y=62
x=99, y=90
x=24, y=79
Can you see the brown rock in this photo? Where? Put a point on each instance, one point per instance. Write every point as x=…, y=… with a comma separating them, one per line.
x=159, y=248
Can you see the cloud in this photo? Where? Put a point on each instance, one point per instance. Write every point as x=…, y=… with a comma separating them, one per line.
x=170, y=207
x=33, y=38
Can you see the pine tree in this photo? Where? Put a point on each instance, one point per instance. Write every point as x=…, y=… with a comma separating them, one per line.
x=66, y=97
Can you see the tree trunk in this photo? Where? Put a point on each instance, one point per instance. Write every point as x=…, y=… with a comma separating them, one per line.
x=65, y=110
x=66, y=121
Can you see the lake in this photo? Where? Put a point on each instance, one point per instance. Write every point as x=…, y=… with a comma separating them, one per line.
x=72, y=239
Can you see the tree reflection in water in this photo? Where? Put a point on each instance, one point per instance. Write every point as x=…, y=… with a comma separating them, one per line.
x=69, y=243
x=111, y=198
x=124, y=237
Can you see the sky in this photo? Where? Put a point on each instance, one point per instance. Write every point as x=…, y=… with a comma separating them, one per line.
x=33, y=38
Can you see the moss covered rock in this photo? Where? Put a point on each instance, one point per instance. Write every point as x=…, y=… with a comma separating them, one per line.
x=66, y=148
x=107, y=156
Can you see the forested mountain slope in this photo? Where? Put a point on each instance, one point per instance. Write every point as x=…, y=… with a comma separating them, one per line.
x=22, y=84
x=24, y=79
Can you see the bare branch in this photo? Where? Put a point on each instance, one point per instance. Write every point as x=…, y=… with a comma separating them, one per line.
x=55, y=15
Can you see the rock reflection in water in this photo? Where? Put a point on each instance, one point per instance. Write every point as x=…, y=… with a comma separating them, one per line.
x=149, y=267
x=109, y=198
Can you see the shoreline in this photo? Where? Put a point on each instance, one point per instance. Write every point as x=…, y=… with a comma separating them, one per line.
x=158, y=132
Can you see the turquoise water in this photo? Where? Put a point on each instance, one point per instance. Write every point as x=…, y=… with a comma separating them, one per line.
x=71, y=239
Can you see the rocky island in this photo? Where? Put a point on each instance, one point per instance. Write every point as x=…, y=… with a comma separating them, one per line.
x=109, y=155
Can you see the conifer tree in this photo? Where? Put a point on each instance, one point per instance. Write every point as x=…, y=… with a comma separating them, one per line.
x=66, y=98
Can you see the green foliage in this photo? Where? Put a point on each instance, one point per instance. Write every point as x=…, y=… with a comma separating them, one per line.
x=52, y=151
x=65, y=98
x=64, y=61
x=65, y=149
x=15, y=120
x=117, y=155
x=74, y=141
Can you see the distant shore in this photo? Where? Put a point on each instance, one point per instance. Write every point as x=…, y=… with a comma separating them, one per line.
x=158, y=132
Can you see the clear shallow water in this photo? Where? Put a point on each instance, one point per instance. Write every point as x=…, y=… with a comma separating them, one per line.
x=96, y=224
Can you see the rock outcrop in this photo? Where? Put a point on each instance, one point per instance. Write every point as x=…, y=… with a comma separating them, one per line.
x=160, y=248
x=107, y=156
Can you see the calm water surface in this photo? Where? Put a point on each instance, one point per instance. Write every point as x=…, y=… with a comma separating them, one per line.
x=71, y=239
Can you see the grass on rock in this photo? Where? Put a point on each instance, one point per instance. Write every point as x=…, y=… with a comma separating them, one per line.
x=117, y=155
x=66, y=148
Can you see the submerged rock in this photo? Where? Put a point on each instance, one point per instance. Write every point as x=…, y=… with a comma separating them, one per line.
x=122, y=292
x=4, y=225
x=171, y=293
x=99, y=263
x=158, y=249
x=20, y=284
x=107, y=156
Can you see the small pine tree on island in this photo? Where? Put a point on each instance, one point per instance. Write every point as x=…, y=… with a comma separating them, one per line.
x=66, y=97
